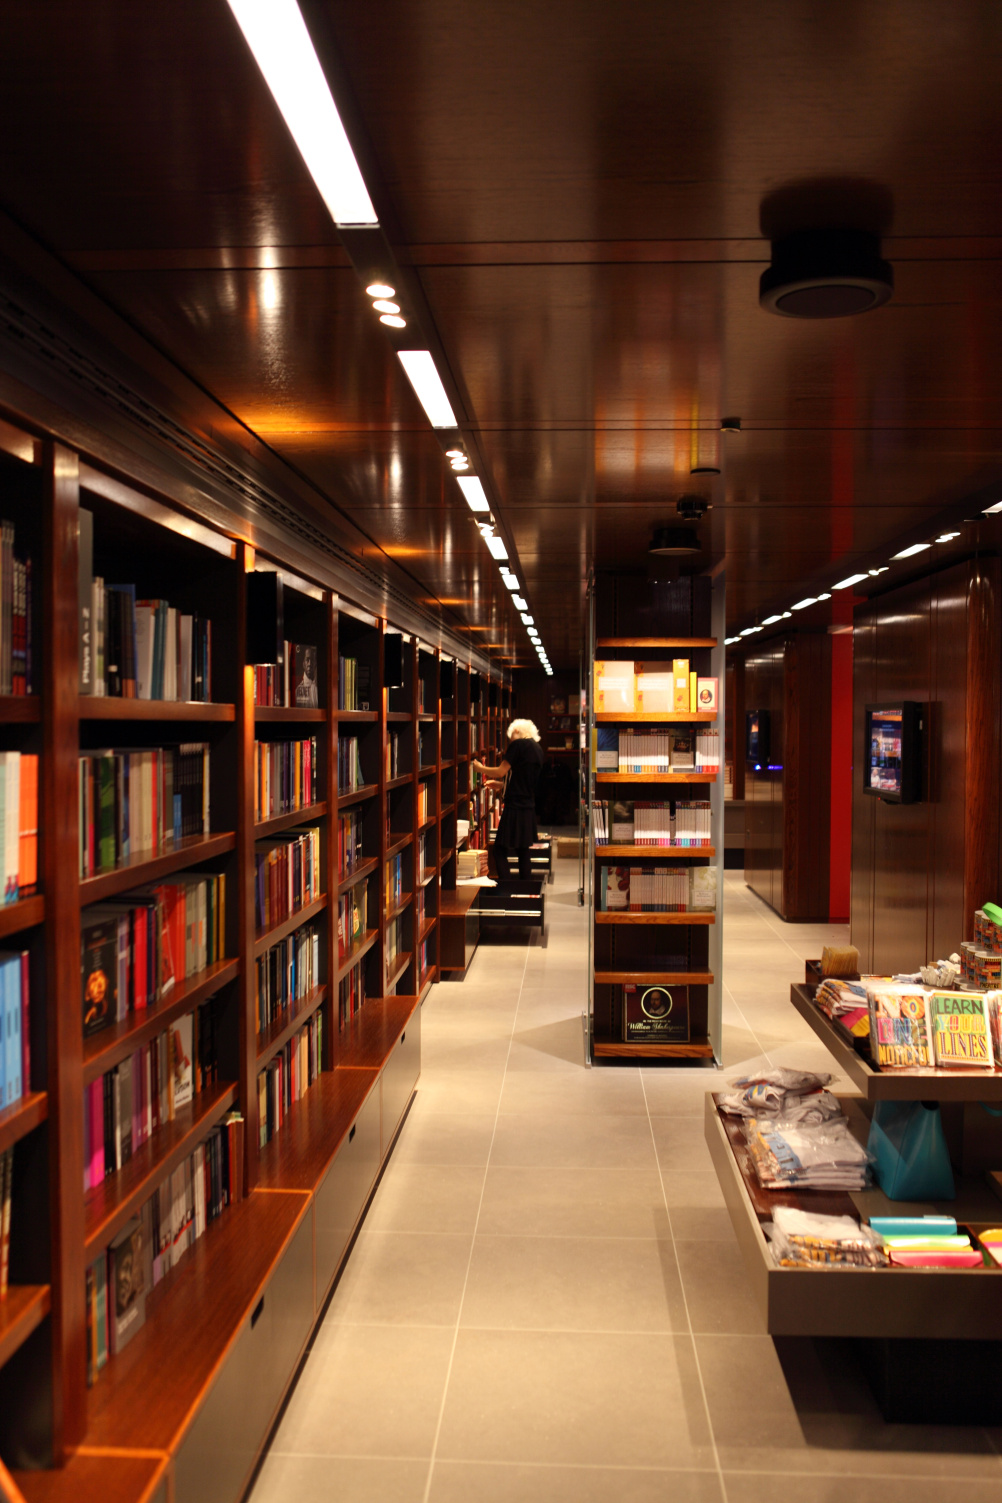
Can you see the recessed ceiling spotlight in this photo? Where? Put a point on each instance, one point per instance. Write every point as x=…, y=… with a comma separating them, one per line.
x=787, y=615
x=705, y=469
x=825, y=274
x=382, y=305
x=947, y=537
x=730, y=425
x=454, y=454
x=460, y=464
x=381, y=289
x=911, y=552
x=844, y=584
x=674, y=540
x=394, y=321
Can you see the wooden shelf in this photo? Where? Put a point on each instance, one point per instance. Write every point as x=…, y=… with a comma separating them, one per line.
x=400, y=965
x=20, y=709
x=357, y=717
x=933, y=1084
x=370, y=1035
x=654, y=978
x=653, y=717
x=363, y=869
x=298, y=1156
x=288, y=714
x=23, y=914
x=103, y=1051
x=289, y=820
x=670, y=852
x=23, y=1117
x=400, y=844
x=426, y=929
x=402, y=906
x=24, y=1309
x=109, y=1205
x=699, y=1050
x=446, y=809
x=655, y=777
x=688, y=919
x=423, y=881
x=647, y=643
x=108, y=707
x=289, y=1022
x=101, y=1477
x=456, y=902
x=398, y=717
x=426, y=824
x=265, y=938
x=369, y=790
x=355, y=954
x=138, y=870
x=404, y=778
x=428, y=770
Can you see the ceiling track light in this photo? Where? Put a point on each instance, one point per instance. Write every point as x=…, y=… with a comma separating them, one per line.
x=520, y=603
x=393, y=320
x=845, y=584
x=947, y=537
x=383, y=305
x=911, y=552
x=802, y=605
x=381, y=289
x=427, y=383
x=473, y=489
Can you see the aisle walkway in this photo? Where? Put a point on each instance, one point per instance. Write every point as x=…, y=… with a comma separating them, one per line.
x=546, y=1301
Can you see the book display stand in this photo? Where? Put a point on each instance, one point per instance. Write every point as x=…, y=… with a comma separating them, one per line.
x=645, y=946
x=331, y=822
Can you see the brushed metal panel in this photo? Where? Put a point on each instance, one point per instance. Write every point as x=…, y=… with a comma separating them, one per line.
x=343, y=1191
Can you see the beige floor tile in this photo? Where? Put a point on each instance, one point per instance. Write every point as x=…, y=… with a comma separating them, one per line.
x=718, y=1294
x=426, y=1198
x=538, y=1092
x=813, y=1412
x=318, y=1479
x=680, y=1092
x=488, y=1482
x=524, y=1396
x=696, y=1206
x=450, y=1091
x=430, y=1136
x=574, y=1284
x=574, y=1142
x=367, y=1391
x=681, y=1144
x=402, y=1278
x=573, y=1203
x=766, y=1488
x=453, y=1054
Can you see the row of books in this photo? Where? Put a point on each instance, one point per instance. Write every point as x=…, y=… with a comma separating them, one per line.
x=288, y=1076
x=286, y=876
x=674, y=822
x=354, y=684
x=6, y=1197
x=657, y=889
x=352, y=918
x=681, y=749
x=425, y=854
x=18, y=825
x=349, y=842
x=913, y=1027
x=392, y=756
x=393, y=880
x=137, y=803
x=146, y=1249
x=471, y=863
x=395, y=941
x=426, y=748
x=351, y=994
x=15, y=1029
x=125, y=1106
x=17, y=665
x=291, y=683
x=349, y=765
x=136, y=947
x=422, y=803
x=285, y=776
x=285, y=973
x=137, y=649
x=657, y=688
x=424, y=959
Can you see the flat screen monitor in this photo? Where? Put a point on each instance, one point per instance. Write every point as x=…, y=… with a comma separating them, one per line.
x=892, y=752
x=757, y=738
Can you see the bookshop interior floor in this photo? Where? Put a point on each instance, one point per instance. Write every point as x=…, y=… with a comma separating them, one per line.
x=546, y=1300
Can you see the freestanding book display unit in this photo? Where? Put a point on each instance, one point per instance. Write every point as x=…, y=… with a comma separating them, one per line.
x=642, y=957
x=356, y=853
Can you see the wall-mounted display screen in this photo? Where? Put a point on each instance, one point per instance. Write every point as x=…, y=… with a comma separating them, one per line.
x=891, y=763
x=757, y=737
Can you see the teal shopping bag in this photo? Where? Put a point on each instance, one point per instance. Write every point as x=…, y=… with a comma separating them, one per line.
x=909, y=1150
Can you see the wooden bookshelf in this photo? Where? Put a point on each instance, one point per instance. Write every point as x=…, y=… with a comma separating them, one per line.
x=307, y=816
x=105, y=707
x=24, y=914
x=265, y=938
x=289, y=1022
x=357, y=795
x=686, y=918
x=656, y=852
x=363, y=870
x=139, y=870
x=23, y=1309
x=652, y=717
x=288, y=715
x=104, y=1050
x=22, y=1117
x=354, y=955
x=655, y=778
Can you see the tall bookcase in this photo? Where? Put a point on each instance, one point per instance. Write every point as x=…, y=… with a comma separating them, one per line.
x=655, y=949
x=149, y=1426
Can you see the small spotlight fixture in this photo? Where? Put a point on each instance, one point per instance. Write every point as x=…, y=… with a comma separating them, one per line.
x=911, y=552
x=875, y=572
x=787, y=615
x=845, y=584
x=383, y=305
x=824, y=595
x=827, y=273
x=454, y=454
x=381, y=289
x=459, y=464
x=393, y=320
x=730, y=425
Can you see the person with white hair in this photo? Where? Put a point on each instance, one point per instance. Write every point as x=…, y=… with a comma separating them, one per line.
x=520, y=768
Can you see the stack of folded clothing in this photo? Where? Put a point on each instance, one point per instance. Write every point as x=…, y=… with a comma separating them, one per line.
x=796, y=1095
x=926, y=1242
x=802, y=1239
x=806, y=1155
x=845, y=1002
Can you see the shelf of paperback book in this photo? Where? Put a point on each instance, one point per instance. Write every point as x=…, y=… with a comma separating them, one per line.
x=288, y=1022
x=656, y=918
x=22, y=1117
x=357, y=795
x=265, y=938
x=362, y=870
x=24, y=914
x=104, y=1050
x=667, y=852
x=655, y=777
x=354, y=955
x=120, y=1195
x=287, y=821
x=188, y=851
x=357, y=717
x=398, y=967
x=20, y=709
x=647, y=644
x=654, y=717
x=290, y=713
x=23, y=1308
x=110, y=707
x=912, y=1084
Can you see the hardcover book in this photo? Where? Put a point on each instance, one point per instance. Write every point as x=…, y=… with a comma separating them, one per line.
x=655, y=1014
x=961, y=1033
x=181, y=1060
x=125, y=1284
x=99, y=975
x=706, y=695
x=305, y=669
x=899, y=1028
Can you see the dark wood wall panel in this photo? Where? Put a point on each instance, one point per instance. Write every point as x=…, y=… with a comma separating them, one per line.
x=763, y=788
x=920, y=870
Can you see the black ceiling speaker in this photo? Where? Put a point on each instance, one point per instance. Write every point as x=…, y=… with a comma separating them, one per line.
x=692, y=508
x=826, y=274
x=674, y=540
x=447, y=679
x=393, y=660
x=265, y=617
